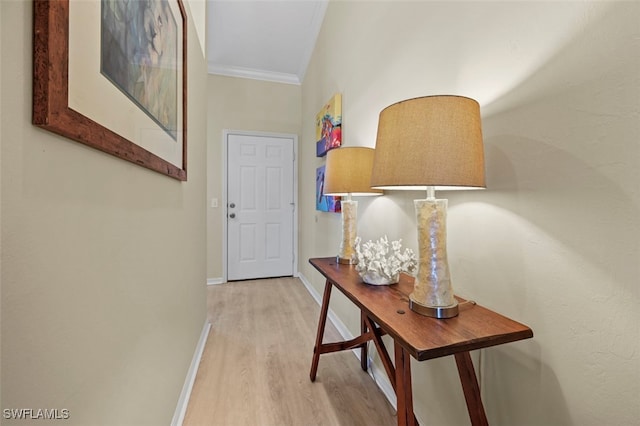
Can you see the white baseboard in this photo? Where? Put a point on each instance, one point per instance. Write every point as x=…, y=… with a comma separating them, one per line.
x=378, y=374
x=183, y=401
x=214, y=281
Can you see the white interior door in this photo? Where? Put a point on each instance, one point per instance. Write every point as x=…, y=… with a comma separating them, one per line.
x=260, y=206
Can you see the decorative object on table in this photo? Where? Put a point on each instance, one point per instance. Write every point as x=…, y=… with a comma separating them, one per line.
x=128, y=103
x=325, y=203
x=432, y=142
x=329, y=126
x=381, y=262
x=348, y=173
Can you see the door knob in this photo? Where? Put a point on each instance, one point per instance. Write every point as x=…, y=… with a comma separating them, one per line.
x=232, y=215
x=232, y=205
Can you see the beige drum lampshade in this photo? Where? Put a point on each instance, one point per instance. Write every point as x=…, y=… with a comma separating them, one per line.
x=348, y=171
x=429, y=141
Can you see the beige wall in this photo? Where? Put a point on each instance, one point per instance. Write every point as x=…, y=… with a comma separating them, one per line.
x=241, y=104
x=103, y=262
x=554, y=240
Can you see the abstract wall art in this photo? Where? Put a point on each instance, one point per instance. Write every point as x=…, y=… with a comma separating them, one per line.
x=329, y=126
x=325, y=203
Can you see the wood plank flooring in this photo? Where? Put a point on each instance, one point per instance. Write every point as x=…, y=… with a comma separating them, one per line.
x=255, y=365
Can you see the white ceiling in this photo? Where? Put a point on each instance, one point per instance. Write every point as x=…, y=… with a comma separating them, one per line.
x=264, y=39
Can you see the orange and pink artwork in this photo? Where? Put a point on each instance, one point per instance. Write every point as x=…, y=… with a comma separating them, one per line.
x=329, y=126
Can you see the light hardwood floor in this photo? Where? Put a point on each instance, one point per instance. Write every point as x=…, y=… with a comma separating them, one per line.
x=255, y=365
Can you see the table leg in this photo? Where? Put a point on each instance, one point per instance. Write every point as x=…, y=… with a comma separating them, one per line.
x=321, y=324
x=382, y=352
x=471, y=389
x=364, y=354
x=404, y=392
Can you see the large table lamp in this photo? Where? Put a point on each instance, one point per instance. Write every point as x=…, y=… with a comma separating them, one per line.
x=348, y=173
x=429, y=143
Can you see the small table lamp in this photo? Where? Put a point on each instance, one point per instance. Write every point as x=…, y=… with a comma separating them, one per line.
x=432, y=142
x=348, y=172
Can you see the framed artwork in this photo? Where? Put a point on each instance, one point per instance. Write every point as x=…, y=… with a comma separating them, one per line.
x=329, y=126
x=112, y=74
x=325, y=203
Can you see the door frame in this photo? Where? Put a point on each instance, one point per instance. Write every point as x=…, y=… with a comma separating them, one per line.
x=225, y=175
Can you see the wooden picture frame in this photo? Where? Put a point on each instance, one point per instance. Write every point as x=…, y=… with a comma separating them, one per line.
x=51, y=110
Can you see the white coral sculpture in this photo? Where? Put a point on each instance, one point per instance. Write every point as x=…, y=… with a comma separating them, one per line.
x=383, y=260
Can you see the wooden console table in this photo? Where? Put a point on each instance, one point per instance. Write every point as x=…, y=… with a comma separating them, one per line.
x=385, y=310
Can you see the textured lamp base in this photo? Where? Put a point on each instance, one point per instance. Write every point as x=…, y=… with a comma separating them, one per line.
x=349, y=226
x=440, y=312
x=432, y=291
x=345, y=261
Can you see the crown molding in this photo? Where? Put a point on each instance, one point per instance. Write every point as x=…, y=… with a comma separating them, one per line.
x=231, y=71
